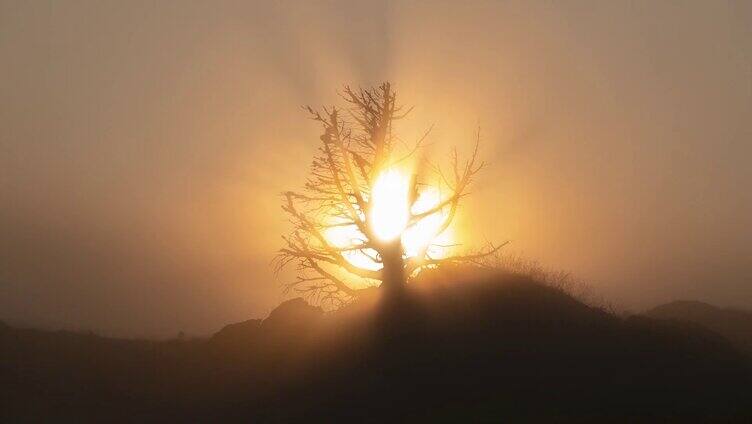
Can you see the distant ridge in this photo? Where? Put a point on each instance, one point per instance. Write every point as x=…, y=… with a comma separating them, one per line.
x=733, y=324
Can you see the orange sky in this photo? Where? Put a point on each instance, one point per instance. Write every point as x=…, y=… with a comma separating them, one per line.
x=142, y=145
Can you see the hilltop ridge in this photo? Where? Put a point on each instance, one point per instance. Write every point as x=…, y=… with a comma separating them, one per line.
x=461, y=344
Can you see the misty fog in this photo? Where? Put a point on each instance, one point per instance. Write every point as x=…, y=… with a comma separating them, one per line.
x=143, y=145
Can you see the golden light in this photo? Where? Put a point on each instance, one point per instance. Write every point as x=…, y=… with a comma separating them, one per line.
x=389, y=216
x=347, y=236
x=389, y=205
x=424, y=234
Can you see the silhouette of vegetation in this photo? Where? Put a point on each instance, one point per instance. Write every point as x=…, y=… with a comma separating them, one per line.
x=358, y=146
x=514, y=263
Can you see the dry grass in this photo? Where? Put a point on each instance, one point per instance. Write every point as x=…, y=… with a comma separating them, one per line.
x=515, y=263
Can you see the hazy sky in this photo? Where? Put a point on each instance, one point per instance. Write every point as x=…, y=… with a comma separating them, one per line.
x=143, y=144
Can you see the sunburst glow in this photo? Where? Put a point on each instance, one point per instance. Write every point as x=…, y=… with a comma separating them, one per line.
x=389, y=218
x=389, y=205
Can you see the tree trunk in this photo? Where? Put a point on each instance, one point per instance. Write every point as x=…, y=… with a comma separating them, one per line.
x=393, y=273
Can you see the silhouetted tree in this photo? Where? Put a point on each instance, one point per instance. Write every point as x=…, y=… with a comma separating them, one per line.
x=357, y=145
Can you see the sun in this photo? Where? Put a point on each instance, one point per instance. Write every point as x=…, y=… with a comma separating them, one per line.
x=389, y=218
x=390, y=210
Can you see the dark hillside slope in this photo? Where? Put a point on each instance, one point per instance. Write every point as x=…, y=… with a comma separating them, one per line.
x=460, y=345
x=505, y=346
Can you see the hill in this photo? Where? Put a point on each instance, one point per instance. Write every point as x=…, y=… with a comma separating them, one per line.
x=733, y=324
x=480, y=347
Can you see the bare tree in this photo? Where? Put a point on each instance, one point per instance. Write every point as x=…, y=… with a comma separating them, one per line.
x=357, y=145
